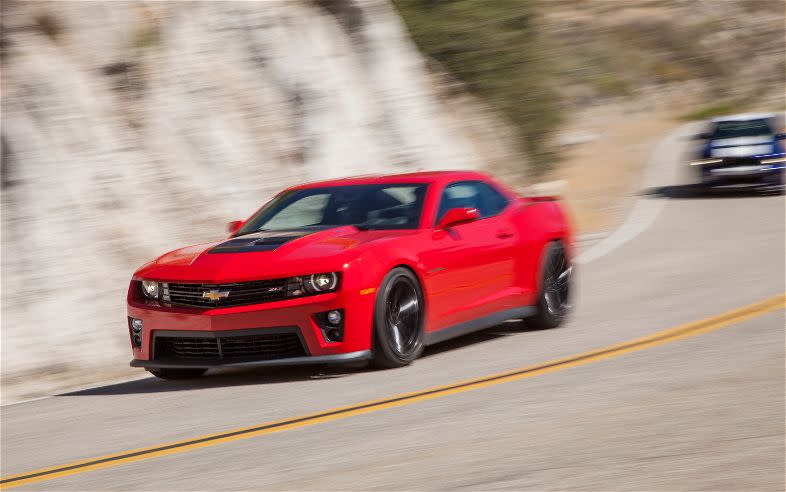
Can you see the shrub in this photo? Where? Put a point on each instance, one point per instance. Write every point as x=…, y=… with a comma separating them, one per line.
x=495, y=50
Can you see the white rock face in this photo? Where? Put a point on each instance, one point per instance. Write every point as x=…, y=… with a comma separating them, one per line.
x=135, y=128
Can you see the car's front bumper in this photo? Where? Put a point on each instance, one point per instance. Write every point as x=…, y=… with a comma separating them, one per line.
x=294, y=316
x=743, y=172
x=358, y=356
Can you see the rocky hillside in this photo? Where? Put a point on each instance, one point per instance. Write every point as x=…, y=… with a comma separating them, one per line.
x=130, y=128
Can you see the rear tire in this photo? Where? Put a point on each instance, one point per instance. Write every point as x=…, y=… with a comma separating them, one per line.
x=171, y=373
x=553, y=304
x=398, y=320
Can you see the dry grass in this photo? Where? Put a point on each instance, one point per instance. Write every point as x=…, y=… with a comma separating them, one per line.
x=603, y=174
x=735, y=48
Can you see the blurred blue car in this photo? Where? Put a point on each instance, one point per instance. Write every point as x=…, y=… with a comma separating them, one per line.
x=743, y=151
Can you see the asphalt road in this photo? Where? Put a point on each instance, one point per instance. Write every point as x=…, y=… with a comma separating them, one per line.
x=699, y=412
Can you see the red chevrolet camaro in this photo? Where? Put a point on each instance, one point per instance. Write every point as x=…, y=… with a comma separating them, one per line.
x=369, y=268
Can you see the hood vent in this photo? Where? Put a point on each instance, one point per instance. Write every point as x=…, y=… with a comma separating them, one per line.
x=257, y=242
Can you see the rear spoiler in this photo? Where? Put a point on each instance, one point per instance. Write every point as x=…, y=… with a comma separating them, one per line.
x=528, y=201
x=550, y=191
x=542, y=198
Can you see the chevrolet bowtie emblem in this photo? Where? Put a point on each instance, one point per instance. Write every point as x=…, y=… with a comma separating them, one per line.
x=214, y=294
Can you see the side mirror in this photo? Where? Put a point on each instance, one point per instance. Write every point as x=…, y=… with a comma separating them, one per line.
x=456, y=216
x=702, y=136
x=780, y=136
x=233, y=226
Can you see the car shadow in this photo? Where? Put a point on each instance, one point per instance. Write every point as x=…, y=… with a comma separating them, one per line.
x=257, y=376
x=696, y=191
x=217, y=378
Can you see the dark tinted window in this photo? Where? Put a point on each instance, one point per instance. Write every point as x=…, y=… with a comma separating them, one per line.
x=492, y=201
x=472, y=194
x=734, y=129
x=382, y=206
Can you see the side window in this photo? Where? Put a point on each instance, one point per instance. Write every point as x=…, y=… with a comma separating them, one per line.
x=472, y=194
x=492, y=201
x=458, y=195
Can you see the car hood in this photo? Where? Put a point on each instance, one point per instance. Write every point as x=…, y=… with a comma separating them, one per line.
x=267, y=254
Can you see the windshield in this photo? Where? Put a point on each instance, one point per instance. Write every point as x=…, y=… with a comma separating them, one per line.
x=734, y=129
x=377, y=206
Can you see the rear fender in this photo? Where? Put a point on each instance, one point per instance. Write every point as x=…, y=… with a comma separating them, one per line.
x=539, y=221
x=548, y=215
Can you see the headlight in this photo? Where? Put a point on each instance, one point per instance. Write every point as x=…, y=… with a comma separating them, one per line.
x=312, y=284
x=704, y=162
x=150, y=289
x=321, y=282
x=776, y=160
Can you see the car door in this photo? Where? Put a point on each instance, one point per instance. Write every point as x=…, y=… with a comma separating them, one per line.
x=469, y=269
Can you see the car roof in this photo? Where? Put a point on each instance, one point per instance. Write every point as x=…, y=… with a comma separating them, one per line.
x=416, y=177
x=744, y=117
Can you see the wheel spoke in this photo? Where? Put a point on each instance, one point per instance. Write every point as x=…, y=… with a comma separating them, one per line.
x=564, y=277
x=390, y=313
x=397, y=339
x=550, y=302
x=394, y=309
x=556, y=282
x=408, y=308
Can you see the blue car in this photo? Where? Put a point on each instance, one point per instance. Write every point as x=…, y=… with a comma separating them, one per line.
x=743, y=151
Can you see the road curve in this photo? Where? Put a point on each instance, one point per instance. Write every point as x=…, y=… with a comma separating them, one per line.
x=700, y=411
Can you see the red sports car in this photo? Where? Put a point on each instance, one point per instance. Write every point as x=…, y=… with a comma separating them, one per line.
x=354, y=269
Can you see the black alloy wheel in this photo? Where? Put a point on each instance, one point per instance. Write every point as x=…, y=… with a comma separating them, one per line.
x=557, y=283
x=398, y=320
x=553, y=304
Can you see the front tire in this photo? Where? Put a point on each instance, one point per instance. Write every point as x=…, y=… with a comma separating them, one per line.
x=398, y=320
x=553, y=304
x=170, y=373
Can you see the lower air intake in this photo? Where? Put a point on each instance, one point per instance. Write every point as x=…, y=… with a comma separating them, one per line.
x=229, y=348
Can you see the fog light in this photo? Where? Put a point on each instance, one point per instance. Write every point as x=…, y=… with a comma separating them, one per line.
x=334, y=317
x=331, y=324
x=136, y=325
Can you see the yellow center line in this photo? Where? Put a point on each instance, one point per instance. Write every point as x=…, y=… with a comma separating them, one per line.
x=683, y=331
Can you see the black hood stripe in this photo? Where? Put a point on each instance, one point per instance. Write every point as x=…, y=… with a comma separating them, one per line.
x=258, y=241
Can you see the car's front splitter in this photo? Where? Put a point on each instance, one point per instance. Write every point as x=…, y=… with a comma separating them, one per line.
x=360, y=355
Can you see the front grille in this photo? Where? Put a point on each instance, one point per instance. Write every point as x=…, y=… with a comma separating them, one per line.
x=230, y=348
x=237, y=294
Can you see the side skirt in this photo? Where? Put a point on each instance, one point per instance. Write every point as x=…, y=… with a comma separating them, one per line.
x=477, y=324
